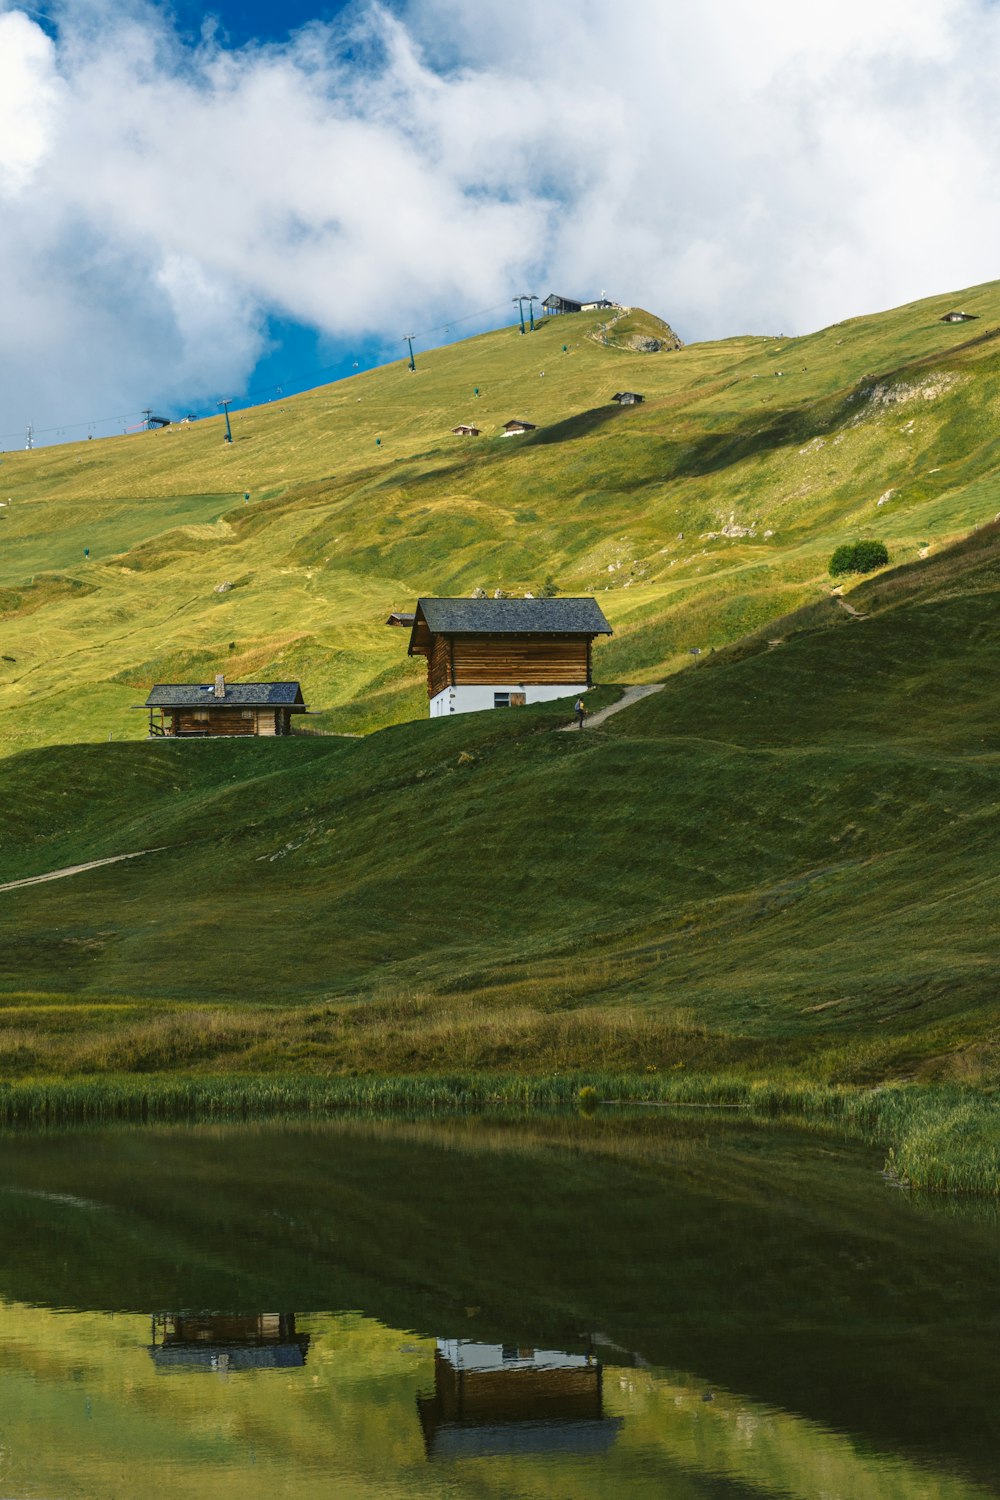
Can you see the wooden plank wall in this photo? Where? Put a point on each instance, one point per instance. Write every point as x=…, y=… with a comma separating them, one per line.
x=482, y=659
x=220, y=721
x=439, y=665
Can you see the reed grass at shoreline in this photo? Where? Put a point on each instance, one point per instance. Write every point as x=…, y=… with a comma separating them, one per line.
x=937, y=1138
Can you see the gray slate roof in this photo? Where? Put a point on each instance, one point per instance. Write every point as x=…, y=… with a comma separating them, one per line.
x=240, y=694
x=514, y=616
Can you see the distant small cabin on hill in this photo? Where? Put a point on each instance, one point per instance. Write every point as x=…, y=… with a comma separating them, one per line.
x=464, y=430
x=399, y=618
x=627, y=398
x=501, y=653
x=181, y=710
x=510, y=429
x=959, y=317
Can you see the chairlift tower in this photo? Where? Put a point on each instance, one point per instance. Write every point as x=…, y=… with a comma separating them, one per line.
x=408, y=341
x=29, y=439
x=225, y=407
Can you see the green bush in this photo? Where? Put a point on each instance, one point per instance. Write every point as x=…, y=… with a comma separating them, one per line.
x=858, y=557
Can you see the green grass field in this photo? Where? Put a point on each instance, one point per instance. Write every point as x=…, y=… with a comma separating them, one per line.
x=781, y=868
x=361, y=499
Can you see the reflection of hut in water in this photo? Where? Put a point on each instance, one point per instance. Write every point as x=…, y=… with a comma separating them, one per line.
x=498, y=1398
x=227, y=1341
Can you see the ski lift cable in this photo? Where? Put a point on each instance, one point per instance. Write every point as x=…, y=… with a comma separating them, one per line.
x=120, y=420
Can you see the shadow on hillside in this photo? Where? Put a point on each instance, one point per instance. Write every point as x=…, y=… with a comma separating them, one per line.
x=757, y=433
x=581, y=425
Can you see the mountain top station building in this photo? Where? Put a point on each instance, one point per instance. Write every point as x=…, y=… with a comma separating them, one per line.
x=221, y=708
x=500, y=653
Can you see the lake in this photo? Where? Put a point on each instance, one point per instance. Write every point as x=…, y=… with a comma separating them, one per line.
x=626, y=1306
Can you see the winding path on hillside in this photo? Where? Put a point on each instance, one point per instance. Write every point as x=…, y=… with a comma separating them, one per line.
x=631, y=695
x=92, y=864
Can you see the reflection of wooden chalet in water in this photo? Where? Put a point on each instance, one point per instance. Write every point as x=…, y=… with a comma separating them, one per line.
x=227, y=1341
x=221, y=708
x=500, y=653
x=495, y=1398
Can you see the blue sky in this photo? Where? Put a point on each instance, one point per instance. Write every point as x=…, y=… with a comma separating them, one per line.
x=255, y=20
x=187, y=214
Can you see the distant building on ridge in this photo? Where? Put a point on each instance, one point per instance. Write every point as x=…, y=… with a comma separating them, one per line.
x=554, y=304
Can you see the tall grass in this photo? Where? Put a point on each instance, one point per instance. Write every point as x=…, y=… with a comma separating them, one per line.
x=937, y=1139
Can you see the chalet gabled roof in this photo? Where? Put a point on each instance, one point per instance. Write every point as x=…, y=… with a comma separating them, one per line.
x=511, y=617
x=237, y=694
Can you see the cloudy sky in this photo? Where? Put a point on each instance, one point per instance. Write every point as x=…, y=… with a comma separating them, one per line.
x=200, y=204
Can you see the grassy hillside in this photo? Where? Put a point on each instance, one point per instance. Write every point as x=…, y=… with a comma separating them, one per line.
x=697, y=517
x=786, y=859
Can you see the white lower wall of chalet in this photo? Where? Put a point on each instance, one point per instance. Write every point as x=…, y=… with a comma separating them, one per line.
x=469, y=700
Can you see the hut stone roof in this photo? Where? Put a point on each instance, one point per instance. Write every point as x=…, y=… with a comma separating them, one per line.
x=513, y=616
x=238, y=694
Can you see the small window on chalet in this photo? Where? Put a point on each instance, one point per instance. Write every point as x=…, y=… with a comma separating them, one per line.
x=201, y=713
x=501, y=700
x=248, y=713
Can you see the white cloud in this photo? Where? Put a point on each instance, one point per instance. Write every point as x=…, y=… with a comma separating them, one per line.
x=767, y=166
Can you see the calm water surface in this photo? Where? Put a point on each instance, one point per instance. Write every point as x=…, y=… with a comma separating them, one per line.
x=557, y=1308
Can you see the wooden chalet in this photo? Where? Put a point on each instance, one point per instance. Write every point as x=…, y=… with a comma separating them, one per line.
x=465, y=430
x=627, y=398
x=221, y=708
x=515, y=425
x=959, y=317
x=399, y=618
x=501, y=653
x=227, y=1341
x=498, y=1398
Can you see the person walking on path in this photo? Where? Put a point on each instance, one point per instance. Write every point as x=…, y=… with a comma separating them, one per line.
x=580, y=709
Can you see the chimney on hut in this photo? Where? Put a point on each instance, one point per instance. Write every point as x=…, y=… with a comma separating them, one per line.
x=220, y=685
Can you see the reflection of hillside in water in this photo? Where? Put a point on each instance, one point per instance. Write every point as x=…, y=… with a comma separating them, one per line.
x=491, y=1399
x=808, y=1298
x=227, y=1341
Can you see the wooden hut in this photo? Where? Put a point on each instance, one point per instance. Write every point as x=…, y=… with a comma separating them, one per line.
x=500, y=653
x=959, y=317
x=627, y=398
x=498, y=1398
x=515, y=425
x=464, y=429
x=220, y=708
